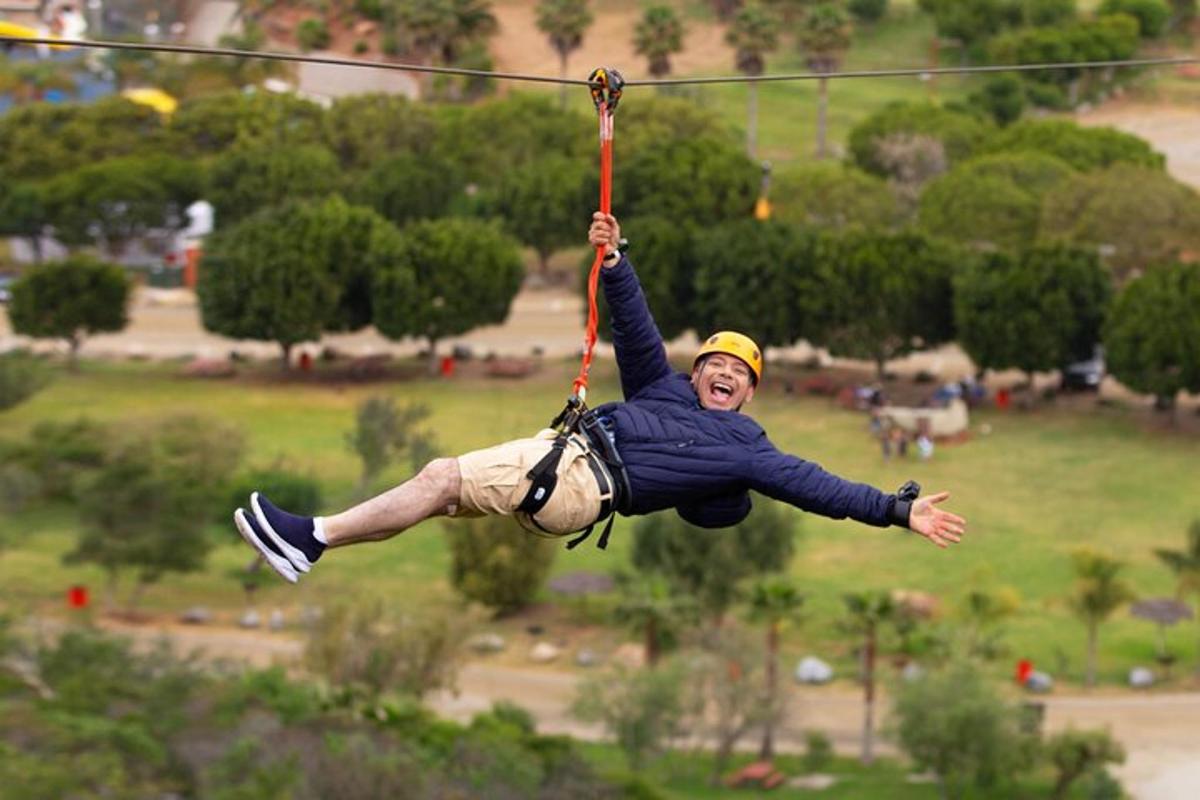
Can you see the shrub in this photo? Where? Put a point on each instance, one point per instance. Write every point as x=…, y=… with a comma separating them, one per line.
x=1152, y=15
x=299, y=494
x=497, y=563
x=21, y=376
x=868, y=10
x=313, y=34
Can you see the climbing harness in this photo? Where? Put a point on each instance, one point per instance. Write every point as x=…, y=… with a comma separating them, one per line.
x=576, y=420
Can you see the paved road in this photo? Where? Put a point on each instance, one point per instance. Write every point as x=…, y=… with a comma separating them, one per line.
x=1161, y=732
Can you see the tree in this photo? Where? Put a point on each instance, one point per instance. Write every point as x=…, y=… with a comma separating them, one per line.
x=832, y=196
x=1098, y=592
x=951, y=722
x=654, y=609
x=121, y=199
x=544, y=201
x=1185, y=564
x=763, y=278
x=1002, y=98
x=665, y=269
x=407, y=187
x=446, y=277
x=1075, y=753
x=695, y=181
x=886, y=295
x=753, y=33
x=438, y=31
x=147, y=506
x=248, y=179
x=868, y=11
x=495, y=562
x=364, y=648
x=992, y=201
x=69, y=300
x=42, y=140
x=824, y=38
x=1040, y=310
x=1153, y=16
x=310, y=267
x=1151, y=335
x=724, y=678
x=883, y=143
x=708, y=565
x=667, y=119
x=1084, y=149
x=23, y=213
x=971, y=21
x=774, y=602
x=1139, y=217
x=564, y=22
x=658, y=36
x=867, y=611
x=213, y=123
x=363, y=130
x=487, y=140
x=385, y=432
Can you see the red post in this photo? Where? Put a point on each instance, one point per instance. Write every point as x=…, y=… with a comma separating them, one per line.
x=447, y=366
x=77, y=597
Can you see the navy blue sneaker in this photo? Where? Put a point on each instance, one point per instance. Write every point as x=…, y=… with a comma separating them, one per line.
x=262, y=543
x=294, y=536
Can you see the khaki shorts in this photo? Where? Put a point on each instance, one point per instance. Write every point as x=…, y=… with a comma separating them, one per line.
x=494, y=482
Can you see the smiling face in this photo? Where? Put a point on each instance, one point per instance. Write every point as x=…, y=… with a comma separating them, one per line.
x=723, y=382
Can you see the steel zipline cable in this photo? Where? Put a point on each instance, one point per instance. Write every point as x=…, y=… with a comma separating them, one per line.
x=516, y=76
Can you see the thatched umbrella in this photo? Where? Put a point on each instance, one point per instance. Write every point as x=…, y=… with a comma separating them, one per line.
x=1162, y=611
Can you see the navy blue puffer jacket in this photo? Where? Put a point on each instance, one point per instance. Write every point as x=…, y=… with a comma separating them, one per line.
x=701, y=462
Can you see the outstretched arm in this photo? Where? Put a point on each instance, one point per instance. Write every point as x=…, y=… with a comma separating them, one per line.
x=641, y=354
x=809, y=487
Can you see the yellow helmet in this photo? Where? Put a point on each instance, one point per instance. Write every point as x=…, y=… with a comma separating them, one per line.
x=734, y=344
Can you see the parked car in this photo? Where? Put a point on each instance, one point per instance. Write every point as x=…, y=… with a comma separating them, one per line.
x=1085, y=376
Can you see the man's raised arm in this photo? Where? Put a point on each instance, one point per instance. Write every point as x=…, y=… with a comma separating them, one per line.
x=641, y=354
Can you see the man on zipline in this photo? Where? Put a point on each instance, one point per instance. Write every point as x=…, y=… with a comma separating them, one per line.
x=678, y=441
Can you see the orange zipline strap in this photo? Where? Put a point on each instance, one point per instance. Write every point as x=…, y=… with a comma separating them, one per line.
x=605, y=85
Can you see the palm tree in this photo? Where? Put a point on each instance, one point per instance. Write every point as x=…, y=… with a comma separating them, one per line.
x=563, y=22
x=867, y=611
x=1098, y=593
x=1186, y=566
x=649, y=606
x=773, y=601
x=752, y=34
x=657, y=37
x=824, y=38
x=473, y=22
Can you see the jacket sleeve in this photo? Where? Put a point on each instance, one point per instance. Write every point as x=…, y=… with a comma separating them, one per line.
x=723, y=511
x=641, y=354
x=808, y=487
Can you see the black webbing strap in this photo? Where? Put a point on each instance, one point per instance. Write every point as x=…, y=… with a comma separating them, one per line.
x=602, y=543
x=545, y=477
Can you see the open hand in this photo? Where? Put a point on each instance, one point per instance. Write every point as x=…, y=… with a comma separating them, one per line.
x=940, y=527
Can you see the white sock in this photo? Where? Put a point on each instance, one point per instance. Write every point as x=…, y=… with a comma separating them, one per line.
x=319, y=530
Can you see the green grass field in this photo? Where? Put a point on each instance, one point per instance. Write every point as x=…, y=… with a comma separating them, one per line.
x=1038, y=486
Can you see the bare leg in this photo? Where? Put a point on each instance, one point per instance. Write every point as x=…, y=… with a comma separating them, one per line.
x=430, y=493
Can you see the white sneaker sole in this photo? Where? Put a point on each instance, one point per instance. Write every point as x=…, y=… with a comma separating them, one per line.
x=298, y=560
x=281, y=565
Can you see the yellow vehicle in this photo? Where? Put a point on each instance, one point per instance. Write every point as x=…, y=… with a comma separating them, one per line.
x=157, y=99
x=16, y=31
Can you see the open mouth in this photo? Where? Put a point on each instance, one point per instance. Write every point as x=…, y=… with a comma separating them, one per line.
x=722, y=391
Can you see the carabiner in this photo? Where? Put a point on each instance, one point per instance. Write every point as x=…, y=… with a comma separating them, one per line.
x=606, y=85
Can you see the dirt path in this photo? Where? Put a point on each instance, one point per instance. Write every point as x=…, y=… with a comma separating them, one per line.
x=1172, y=130
x=1161, y=732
